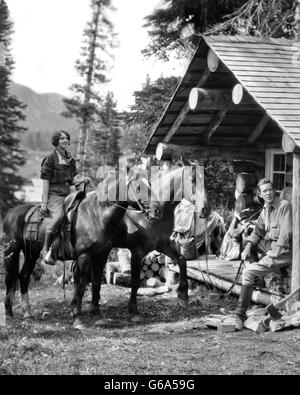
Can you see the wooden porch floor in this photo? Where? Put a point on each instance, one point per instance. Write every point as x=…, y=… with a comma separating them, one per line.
x=221, y=274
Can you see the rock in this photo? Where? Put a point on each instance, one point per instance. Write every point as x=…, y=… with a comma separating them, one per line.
x=146, y=292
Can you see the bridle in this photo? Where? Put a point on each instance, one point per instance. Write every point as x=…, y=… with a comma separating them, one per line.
x=147, y=211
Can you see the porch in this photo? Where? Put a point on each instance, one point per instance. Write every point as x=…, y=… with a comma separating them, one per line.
x=220, y=274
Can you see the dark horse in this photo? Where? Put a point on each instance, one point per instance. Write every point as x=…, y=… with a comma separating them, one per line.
x=141, y=234
x=94, y=226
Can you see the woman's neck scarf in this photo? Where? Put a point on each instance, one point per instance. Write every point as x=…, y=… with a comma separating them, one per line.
x=63, y=156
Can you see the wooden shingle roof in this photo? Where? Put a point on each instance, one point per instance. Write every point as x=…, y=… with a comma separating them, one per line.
x=268, y=70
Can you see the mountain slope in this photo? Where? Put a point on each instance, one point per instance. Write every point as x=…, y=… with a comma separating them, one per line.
x=43, y=114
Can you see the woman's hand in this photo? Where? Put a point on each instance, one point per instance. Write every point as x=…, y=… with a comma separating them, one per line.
x=44, y=210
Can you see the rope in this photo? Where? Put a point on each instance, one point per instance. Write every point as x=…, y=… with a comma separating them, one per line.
x=238, y=274
x=210, y=286
x=206, y=255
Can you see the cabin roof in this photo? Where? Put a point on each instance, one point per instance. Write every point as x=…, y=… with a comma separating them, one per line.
x=269, y=72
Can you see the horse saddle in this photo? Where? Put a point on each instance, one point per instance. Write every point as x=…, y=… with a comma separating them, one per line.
x=34, y=220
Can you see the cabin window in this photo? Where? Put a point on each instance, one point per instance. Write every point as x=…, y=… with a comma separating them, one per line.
x=276, y=168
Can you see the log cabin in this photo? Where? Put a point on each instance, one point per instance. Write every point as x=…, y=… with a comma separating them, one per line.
x=239, y=99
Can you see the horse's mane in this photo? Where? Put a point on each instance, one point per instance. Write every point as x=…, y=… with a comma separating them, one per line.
x=102, y=190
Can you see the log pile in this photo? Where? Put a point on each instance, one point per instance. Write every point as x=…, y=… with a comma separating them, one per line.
x=153, y=274
x=153, y=270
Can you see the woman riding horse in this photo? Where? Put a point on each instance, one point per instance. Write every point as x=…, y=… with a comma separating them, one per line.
x=58, y=173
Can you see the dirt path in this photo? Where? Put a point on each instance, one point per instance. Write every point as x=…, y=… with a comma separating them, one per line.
x=168, y=341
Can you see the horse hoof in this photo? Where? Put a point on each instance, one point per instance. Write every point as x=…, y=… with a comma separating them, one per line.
x=101, y=322
x=9, y=315
x=79, y=325
x=136, y=319
x=183, y=303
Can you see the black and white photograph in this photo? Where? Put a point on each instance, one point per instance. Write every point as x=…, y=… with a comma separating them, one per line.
x=150, y=190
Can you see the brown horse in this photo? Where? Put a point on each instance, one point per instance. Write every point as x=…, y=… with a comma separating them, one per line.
x=93, y=227
x=142, y=234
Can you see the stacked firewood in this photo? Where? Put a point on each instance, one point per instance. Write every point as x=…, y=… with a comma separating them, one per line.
x=153, y=270
x=153, y=273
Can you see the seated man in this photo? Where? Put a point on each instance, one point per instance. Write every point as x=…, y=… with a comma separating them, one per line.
x=272, y=239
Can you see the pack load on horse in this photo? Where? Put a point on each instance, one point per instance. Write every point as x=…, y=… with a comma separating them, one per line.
x=142, y=234
x=191, y=231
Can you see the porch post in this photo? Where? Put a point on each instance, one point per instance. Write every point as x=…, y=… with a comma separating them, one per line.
x=296, y=221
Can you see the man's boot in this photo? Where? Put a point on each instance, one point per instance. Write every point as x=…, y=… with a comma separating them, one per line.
x=242, y=306
x=46, y=253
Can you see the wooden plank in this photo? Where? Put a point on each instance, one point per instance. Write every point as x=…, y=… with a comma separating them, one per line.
x=267, y=73
x=258, y=55
x=240, y=51
x=270, y=80
x=231, y=61
x=281, y=107
x=222, y=45
x=258, y=130
x=290, y=121
x=295, y=282
x=274, y=68
x=214, y=125
x=253, y=61
x=253, y=51
x=281, y=112
x=281, y=95
x=273, y=89
x=280, y=101
x=280, y=85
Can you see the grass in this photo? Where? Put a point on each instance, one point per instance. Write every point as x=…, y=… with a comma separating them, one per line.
x=169, y=340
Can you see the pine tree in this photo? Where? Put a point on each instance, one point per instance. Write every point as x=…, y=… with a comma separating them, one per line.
x=111, y=121
x=175, y=26
x=104, y=148
x=149, y=105
x=11, y=156
x=85, y=105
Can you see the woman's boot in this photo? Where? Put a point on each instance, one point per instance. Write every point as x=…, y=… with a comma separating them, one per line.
x=47, y=250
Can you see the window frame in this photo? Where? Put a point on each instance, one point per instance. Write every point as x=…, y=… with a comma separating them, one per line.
x=269, y=169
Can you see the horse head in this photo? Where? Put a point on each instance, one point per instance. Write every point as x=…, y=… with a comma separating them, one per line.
x=171, y=186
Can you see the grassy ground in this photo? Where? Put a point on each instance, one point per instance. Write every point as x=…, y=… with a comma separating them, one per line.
x=168, y=341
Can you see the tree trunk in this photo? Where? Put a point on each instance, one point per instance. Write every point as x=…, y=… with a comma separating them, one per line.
x=82, y=145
